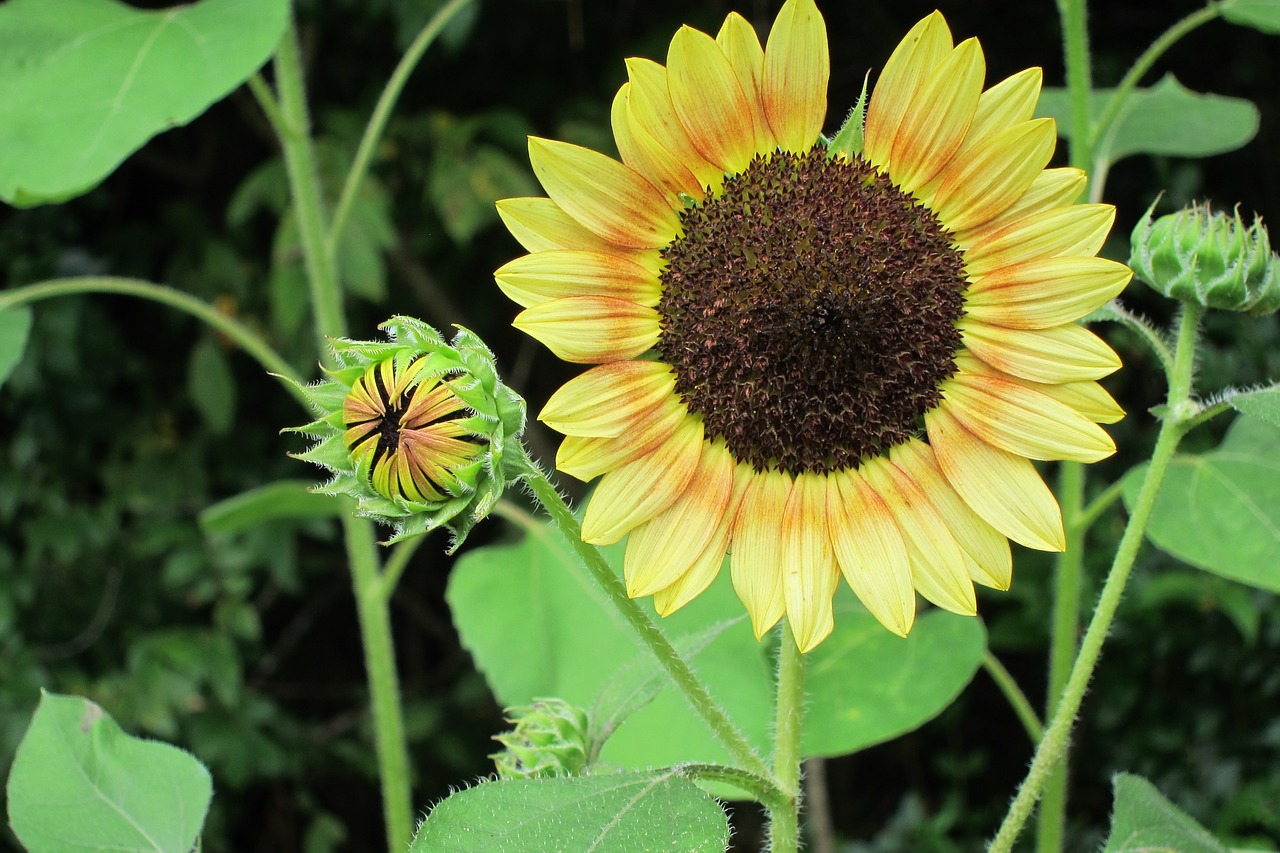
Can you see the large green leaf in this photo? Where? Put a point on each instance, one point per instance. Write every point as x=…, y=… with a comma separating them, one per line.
x=1166, y=118
x=87, y=82
x=867, y=685
x=15, y=328
x=211, y=386
x=1145, y=822
x=610, y=813
x=1262, y=15
x=81, y=785
x=557, y=635
x=1220, y=511
x=1263, y=403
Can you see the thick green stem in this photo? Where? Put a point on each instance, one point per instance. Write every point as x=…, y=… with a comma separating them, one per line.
x=238, y=332
x=384, y=685
x=373, y=593
x=304, y=185
x=378, y=121
x=1054, y=744
x=699, y=698
x=1014, y=695
x=1065, y=635
x=784, y=821
x=1075, y=44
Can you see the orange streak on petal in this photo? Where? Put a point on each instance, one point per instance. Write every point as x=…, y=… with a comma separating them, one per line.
x=797, y=68
x=810, y=576
x=709, y=101
x=606, y=400
x=543, y=276
x=1043, y=293
x=591, y=329
x=742, y=48
x=589, y=457
x=539, y=225
x=910, y=64
x=870, y=552
x=977, y=188
x=756, y=542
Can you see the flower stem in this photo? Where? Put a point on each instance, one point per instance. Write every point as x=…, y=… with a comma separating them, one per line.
x=378, y=121
x=247, y=339
x=701, y=700
x=384, y=685
x=1063, y=640
x=1013, y=693
x=762, y=790
x=1054, y=744
x=784, y=821
x=372, y=592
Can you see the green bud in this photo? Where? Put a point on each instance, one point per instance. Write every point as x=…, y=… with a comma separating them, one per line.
x=550, y=739
x=421, y=433
x=1208, y=258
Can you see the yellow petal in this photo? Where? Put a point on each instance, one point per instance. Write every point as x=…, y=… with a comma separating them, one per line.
x=756, y=543
x=1051, y=189
x=709, y=101
x=1009, y=102
x=937, y=564
x=649, y=105
x=662, y=549
x=591, y=329
x=908, y=67
x=540, y=225
x=931, y=133
x=977, y=188
x=606, y=400
x=1078, y=230
x=1022, y=421
x=603, y=195
x=810, y=576
x=587, y=458
x=1000, y=486
x=869, y=551
x=1066, y=353
x=647, y=156
x=797, y=67
x=1043, y=293
x=695, y=581
x=741, y=47
x=1090, y=399
x=986, y=550
x=558, y=274
x=639, y=490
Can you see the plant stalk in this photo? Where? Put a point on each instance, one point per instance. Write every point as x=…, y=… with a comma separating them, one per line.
x=784, y=822
x=1054, y=744
x=699, y=698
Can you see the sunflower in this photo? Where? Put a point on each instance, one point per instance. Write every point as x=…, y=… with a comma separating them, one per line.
x=824, y=360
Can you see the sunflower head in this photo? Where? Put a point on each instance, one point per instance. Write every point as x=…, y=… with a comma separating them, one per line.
x=549, y=739
x=827, y=359
x=1209, y=258
x=416, y=430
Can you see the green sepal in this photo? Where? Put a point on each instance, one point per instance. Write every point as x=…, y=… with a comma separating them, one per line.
x=849, y=139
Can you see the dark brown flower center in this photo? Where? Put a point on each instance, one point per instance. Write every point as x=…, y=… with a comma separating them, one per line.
x=810, y=312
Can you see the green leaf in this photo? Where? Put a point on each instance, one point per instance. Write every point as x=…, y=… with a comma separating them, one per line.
x=1145, y=822
x=1263, y=403
x=463, y=188
x=281, y=499
x=1220, y=511
x=867, y=686
x=1262, y=15
x=1166, y=118
x=87, y=82
x=15, y=328
x=79, y=783
x=211, y=386
x=559, y=636
x=611, y=813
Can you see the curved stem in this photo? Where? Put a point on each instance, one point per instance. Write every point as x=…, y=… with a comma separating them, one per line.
x=1054, y=744
x=304, y=185
x=1096, y=507
x=762, y=790
x=1013, y=693
x=378, y=121
x=1143, y=64
x=247, y=339
x=397, y=562
x=1116, y=312
x=384, y=684
x=699, y=698
x=784, y=822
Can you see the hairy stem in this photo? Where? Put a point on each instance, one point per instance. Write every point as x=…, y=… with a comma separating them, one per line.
x=1054, y=744
x=784, y=821
x=1013, y=693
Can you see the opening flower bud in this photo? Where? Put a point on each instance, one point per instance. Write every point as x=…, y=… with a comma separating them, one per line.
x=550, y=739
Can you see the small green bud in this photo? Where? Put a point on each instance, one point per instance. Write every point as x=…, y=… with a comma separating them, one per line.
x=416, y=430
x=550, y=739
x=1208, y=258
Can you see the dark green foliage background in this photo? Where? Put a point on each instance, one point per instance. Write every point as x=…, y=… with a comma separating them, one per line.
x=124, y=421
